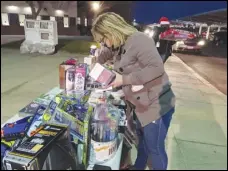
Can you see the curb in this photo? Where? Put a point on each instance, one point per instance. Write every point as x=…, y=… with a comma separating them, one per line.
x=200, y=77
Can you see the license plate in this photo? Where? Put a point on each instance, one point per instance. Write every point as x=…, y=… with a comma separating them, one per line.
x=190, y=47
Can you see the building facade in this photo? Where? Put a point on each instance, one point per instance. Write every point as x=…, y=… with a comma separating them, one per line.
x=73, y=17
x=13, y=14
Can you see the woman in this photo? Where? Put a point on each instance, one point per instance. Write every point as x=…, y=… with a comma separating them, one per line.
x=140, y=71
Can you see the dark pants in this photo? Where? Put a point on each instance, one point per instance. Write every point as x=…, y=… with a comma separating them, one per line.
x=152, y=143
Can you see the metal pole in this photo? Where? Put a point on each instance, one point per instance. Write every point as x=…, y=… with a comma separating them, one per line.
x=219, y=28
x=208, y=32
x=200, y=29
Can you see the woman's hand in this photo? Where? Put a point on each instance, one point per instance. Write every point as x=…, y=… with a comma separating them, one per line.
x=118, y=81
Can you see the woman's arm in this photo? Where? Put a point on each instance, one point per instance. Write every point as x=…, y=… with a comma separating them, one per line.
x=103, y=55
x=143, y=48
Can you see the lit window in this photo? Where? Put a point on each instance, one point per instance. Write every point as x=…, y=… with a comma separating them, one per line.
x=5, y=19
x=38, y=17
x=21, y=19
x=52, y=18
x=66, y=21
x=85, y=21
x=78, y=20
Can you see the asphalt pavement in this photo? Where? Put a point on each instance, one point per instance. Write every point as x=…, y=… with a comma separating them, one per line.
x=213, y=69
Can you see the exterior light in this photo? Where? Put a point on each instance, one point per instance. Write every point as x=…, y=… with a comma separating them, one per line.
x=12, y=8
x=96, y=6
x=147, y=31
x=59, y=12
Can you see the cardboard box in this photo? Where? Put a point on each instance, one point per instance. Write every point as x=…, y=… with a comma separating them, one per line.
x=80, y=76
x=43, y=151
x=90, y=61
x=102, y=74
x=62, y=71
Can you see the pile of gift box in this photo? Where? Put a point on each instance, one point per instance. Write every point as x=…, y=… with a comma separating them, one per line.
x=79, y=106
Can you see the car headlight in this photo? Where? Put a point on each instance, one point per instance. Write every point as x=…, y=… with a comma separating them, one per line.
x=147, y=31
x=201, y=43
x=151, y=34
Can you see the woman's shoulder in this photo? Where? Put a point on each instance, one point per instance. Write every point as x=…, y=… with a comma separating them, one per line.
x=139, y=38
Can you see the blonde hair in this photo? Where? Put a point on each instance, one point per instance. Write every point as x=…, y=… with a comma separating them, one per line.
x=113, y=27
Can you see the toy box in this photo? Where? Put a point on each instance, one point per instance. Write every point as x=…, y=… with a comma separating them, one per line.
x=48, y=149
x=80, y=75
x=70, y=78
x=102, y=74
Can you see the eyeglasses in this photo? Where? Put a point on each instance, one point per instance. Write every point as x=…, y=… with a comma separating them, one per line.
x=102, y=40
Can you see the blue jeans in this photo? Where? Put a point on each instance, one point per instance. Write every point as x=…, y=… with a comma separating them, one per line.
x=152, y=143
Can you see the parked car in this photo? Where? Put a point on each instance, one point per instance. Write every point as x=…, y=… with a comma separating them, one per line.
x=220, y=38
x=191, y=45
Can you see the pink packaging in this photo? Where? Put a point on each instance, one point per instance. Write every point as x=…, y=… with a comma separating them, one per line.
x=80, y=75
x=102, y=75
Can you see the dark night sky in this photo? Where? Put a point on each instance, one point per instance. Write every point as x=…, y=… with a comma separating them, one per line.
x=148, y=12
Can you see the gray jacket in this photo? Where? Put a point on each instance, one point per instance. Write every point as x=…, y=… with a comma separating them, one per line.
x=139, y=62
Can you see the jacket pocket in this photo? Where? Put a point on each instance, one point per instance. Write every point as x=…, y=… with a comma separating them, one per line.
x=141, y=99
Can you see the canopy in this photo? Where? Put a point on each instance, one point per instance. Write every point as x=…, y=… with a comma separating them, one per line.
x=212, y=17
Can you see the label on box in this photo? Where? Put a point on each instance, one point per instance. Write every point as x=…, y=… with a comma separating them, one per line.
x=102, y=151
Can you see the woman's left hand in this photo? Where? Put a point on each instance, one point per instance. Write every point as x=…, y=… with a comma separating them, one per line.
x=118, y=81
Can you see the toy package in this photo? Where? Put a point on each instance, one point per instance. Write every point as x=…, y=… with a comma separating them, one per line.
x=91, y=84
x=102, y=74
x=90, y=61
x=79, y=123
x=104, y=133
x=70, y=78
x=30, y=109
x=48, y=149
x=16, y=130
x=80, y=76
x=46, y=98
x=105, y=123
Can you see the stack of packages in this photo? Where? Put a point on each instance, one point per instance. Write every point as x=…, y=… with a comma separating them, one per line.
x=70, y=107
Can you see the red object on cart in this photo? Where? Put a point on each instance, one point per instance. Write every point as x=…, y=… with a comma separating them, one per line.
x=176, y=35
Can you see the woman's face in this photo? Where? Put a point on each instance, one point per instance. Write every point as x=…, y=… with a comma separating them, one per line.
x=107, y=42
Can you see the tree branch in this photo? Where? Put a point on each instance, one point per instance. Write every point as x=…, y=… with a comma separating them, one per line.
x=33, y=9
